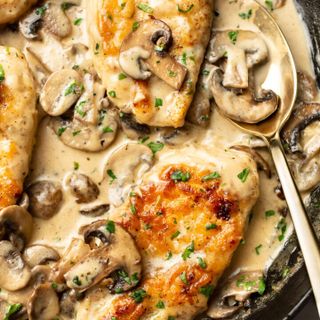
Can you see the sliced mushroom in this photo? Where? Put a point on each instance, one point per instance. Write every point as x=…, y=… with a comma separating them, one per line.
x=45, y=199
x=76, y=250
x=24, y=201
x=15, y=274
x=232, y=294
x=243, y=49
x=43, y=303
x=93, y=127
x=131, y=128
x=62, y=89
x=18, y=221
x=262, y=164
x=83, y=188
x=68, y=301
x=145, y=51
x=56, y=21
x=128, y=163
x=39, y=254
x=175, y=137
x=244, y=107
x=302, y=117
x=116, y=250
x=95, y=211
x=31, y=24
x=307, y=87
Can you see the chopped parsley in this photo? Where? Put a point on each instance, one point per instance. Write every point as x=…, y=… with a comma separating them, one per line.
x=184, y=58
x=180, y=176
x=75, y=133
x=77, y=22
x=158, y=103
x=66, y=5
x=188, y=251
x=205, y=72
x=261, y=286
x=122, y=76
x=211, y=176
x=172, y=74
x=282, y=228
x=243, y=175
x=111, y=175
x=112, y=94
x=97, y=48
x=41, y=10
x=160, y=304
x=257, y=249
x=79, y=109
x=142, y=140
x=202, y=263
x=207, y=290
x=138, y=295
x=71, y=89
x=269, y=4
x=76, y=165
x=269, y=213
x=13, y=308
x=61, y=130
x=246, y=15
x=211, y=226
x=145, y=8
x=233, y=36
x=185, y=10
x=107, y=130
x=168, y=255
x=155, y=146
x=171, y=318
x=111, y=227
x=77, y=281
x=133, y=208
x=285, y=272
x=135, y=26
x=54, y=285
x=2, y=73
x=183, y=277
x=175, y=235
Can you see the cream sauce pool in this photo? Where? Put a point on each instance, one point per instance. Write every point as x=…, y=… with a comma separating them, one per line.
x=52, y=160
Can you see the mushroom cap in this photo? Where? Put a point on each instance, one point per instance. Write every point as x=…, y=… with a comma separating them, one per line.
x=242, y=54
x=150, y=42
x=45, y=199
x=113, y=249
x=128, y=162
x=95, y=211
x=60, y=92
x=15, y=274
x=243, y=107
x=39, y=254
x=83, y=188
x=18, y=220
x=43, y=303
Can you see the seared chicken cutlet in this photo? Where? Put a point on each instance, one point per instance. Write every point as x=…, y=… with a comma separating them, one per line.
x=11, y=10
x=148, y=54
x=17, y=123
x=187, y=219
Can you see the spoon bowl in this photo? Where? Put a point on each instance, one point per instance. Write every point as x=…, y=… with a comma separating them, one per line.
x=282, y=79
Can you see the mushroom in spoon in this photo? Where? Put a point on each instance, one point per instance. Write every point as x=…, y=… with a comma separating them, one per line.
x=145, y=52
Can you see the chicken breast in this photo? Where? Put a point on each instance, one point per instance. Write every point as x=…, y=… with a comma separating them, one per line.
x=11, y=10
x=17, y=123
x=123, y=30
x=187, y=219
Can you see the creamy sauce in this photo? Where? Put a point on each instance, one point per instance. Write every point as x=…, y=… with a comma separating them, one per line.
x=54, y=161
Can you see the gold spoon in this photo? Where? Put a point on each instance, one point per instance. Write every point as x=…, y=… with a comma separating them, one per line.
x=282, y=79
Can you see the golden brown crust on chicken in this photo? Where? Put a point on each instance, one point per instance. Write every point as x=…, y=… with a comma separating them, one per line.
x=17, y=123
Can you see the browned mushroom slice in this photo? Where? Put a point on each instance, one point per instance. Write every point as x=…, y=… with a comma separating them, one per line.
x=261, y=162
x=114, y=250
x=83, y=188
x=43, y=303
x=244, y=107
x=45, y=199
x=15, y=274
x=39, y=254
x=145, y=51
x=307, y=87
x=133, y=129
x=16, y=220
x=248, y=50
x=95, y=211
x=302, y=117
x=232, y=294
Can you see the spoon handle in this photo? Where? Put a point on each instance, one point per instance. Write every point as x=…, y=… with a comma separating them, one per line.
x=307, y=239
